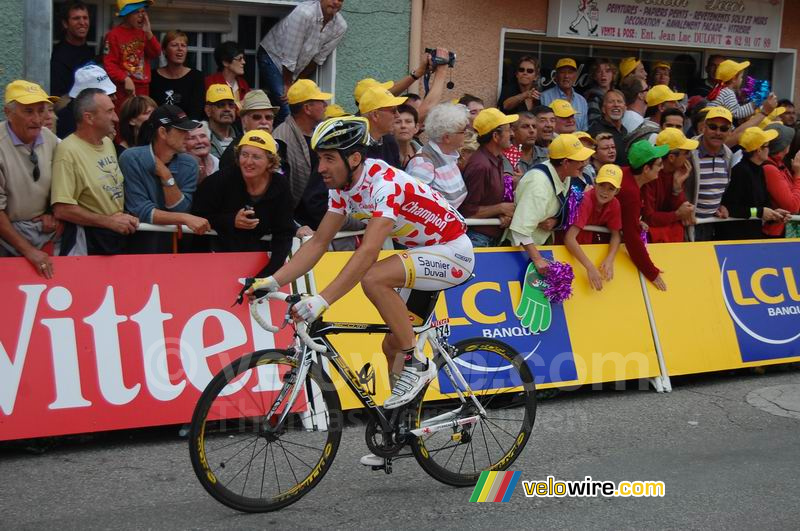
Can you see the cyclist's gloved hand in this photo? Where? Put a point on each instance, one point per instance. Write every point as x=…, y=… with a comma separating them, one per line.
x=533, y=309
x=311, y=308
x=268, y=284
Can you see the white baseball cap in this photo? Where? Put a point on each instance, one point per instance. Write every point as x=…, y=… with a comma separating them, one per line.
x=92, y=76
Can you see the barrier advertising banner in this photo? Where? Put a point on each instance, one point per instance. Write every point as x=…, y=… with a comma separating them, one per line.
x=594, y=337
x=120, y=342
x=729, y=305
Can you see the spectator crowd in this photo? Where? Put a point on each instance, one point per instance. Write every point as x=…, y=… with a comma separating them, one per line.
x=121, y=142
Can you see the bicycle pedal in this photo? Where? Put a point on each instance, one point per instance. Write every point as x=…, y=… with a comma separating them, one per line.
x=386, y=466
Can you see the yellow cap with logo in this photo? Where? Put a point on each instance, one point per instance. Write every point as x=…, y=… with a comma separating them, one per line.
x=675, y=139
x=219, y=92
x=260, y=139
x=570, y=147
x=609, y=173
x=490, y=119
x=368, y=83
x=562, y=108
x=25, y=92
x=755, y=137
x=305, y=90
x=628, y=65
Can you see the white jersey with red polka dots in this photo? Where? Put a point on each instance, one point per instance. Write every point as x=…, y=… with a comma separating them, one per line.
x=422, y=217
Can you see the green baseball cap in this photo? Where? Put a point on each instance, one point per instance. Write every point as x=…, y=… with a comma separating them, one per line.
x=643, y=152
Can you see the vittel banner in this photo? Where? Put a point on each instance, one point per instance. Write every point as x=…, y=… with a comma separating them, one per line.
x=121, y=342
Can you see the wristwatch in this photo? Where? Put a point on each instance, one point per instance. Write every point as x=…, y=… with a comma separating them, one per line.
x=169, y=182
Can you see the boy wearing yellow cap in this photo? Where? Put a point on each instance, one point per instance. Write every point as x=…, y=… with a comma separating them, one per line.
x=664, y=206
x=129, y=49
x=729, y=77
x=600, y=208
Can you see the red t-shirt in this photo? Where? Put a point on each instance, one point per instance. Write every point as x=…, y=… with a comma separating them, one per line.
x=592, y=213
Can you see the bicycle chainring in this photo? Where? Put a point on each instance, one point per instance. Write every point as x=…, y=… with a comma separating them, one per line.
x=380, y=443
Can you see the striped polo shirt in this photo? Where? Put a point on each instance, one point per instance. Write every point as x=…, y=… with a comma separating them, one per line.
x=713, y=180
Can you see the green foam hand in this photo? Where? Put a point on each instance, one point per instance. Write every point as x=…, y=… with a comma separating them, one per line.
x=533, y=310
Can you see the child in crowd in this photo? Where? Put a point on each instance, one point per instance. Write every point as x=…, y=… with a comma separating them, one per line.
x=129, y=49
x=599, y=207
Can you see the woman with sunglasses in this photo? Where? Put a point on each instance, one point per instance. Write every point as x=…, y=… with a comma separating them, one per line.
x=523, y=93
x=249, y=201
x=230, y=60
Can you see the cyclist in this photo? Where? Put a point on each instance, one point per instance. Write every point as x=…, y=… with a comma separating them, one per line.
x=438, y=256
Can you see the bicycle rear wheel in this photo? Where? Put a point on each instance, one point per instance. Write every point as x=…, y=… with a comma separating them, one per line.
x=503, y=384
x=239, y=454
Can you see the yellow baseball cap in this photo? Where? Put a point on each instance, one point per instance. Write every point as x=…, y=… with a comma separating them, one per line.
x=219, y=92
x=368, y=83
x=490, y=119
x=719, y=112
x=609, y=173
x=662, y=64
x=628, y=65
x=562, y=108
x=728, y=69
x=755, y=137
x=772, y=117
x=658, y=94
x=566, y=61
x=583, y=135
x=568, y=146
x=26, y=93
x=305, y=90
x=675, y=139
x=378, y=98
x=335, y=111
x=260, y=139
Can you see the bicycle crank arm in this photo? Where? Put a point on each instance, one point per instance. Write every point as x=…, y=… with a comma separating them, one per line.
x=427, y=430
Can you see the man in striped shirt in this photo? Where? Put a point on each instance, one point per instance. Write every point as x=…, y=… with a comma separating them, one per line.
x=712, y=171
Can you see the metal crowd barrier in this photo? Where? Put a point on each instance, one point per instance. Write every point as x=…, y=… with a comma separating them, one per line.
x=471, y=222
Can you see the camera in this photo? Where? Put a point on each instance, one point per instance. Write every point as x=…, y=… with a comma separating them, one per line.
x=450, y=61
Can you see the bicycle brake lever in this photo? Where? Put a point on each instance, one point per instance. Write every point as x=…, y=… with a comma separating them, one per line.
x=247, y=283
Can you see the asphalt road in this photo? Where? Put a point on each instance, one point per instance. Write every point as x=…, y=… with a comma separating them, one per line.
x=727, y=447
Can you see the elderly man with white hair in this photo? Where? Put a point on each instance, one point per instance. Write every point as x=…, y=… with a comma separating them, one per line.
x=198, y=145
x=436, y=164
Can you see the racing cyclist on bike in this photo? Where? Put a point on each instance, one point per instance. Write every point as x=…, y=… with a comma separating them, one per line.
x=439, y=252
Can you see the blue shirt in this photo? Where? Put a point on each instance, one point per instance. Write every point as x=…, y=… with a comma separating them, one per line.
x=578, y=103
x=143, y=189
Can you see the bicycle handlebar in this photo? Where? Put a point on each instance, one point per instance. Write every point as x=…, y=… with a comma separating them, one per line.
x=301, y=327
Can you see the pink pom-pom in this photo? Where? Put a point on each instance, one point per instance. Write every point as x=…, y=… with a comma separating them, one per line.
x=559, y=277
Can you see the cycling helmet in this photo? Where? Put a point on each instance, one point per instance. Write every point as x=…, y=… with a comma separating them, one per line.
x=346, y=134
x=341, y=134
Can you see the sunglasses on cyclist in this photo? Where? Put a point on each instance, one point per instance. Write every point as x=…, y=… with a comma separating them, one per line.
x=721, y=128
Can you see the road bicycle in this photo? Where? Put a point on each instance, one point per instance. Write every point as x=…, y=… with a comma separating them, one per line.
x=267, y=427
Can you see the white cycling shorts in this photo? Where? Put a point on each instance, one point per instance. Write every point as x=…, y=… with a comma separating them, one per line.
x=439, y=267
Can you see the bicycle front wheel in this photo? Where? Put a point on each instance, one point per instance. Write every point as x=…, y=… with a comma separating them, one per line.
x=498, y=378
x=241, y=452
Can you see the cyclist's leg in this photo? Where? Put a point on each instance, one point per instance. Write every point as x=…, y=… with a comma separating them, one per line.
x=380, y=284
x=394, y=357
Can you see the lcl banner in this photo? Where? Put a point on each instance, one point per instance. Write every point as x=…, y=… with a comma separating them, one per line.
x=731, y=305
x=121, y=342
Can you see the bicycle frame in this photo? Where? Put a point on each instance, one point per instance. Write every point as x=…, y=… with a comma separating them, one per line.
x=307, y=343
